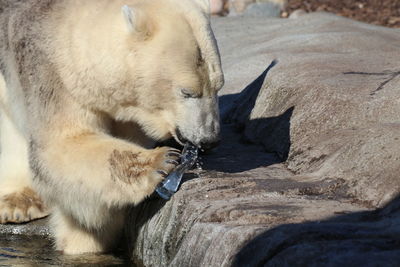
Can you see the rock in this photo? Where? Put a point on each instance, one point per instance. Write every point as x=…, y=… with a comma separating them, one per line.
x=313, y=107
x=362, y=239
x=267, y=9
x=297, y=13
x=331, y=103
x=35, y=228
x=242, y=194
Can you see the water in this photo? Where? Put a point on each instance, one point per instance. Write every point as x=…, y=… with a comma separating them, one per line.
x=21, y=250
x=198, y=170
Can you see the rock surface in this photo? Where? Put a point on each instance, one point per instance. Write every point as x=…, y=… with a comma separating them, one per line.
x=265, y=8
x=331, y=104
x=243, y=193
x=318, y=113
x=35, y=228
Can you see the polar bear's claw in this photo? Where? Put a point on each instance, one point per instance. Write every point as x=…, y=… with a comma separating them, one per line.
x=21, y=206
x=163, y=173
x=173, y=153
x=174, y=162
x=167, y=162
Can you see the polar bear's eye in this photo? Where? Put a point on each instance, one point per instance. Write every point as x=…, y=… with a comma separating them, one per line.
x=186, y=93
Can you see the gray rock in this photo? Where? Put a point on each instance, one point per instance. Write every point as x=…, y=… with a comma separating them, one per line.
x=297, y=13
x=243, y=193
x=35, y=228
x=336, y=131
x=270, y=8
x=330, y=106
x=267, y=9
x=358, y=239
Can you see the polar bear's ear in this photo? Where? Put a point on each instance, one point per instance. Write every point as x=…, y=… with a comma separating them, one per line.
x=130, y=17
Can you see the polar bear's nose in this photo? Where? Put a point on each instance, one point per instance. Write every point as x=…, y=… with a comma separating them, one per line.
x=205, y=145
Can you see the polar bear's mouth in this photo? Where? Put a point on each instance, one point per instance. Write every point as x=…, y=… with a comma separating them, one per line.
x=176, y=140
x=179, y=138
x=203, y=146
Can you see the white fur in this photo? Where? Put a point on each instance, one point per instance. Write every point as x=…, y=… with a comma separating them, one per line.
x=15, y=173
x=205, y=5
x=199, y=120
x=13, y=144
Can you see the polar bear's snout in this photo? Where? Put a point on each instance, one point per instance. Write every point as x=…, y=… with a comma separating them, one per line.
x=206, y=144
x=199, y=123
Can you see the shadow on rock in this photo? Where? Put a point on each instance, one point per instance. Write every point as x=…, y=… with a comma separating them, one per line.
x=236, y=108
x=272, y=132
x=235, y=156
x=137, y=217
x=368, y=238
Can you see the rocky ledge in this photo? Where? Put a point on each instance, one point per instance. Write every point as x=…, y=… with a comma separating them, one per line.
x=308, y=170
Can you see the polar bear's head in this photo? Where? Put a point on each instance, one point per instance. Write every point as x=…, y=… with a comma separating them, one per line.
x=155, y=62
x=175, y=64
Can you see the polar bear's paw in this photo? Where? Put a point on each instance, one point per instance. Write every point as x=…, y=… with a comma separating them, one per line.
x=165, y=161
x=143, y=170
x=21, y=206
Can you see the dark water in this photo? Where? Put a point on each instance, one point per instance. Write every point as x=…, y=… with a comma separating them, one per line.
x=21, y=250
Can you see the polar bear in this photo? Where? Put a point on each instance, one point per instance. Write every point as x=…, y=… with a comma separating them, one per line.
x=86, y=88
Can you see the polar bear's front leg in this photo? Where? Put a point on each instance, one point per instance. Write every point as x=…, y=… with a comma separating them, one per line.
x=89, y=178
x=18, y=202
x=73, y=238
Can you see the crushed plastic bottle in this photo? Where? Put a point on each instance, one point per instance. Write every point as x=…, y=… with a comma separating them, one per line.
x=171, y=183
